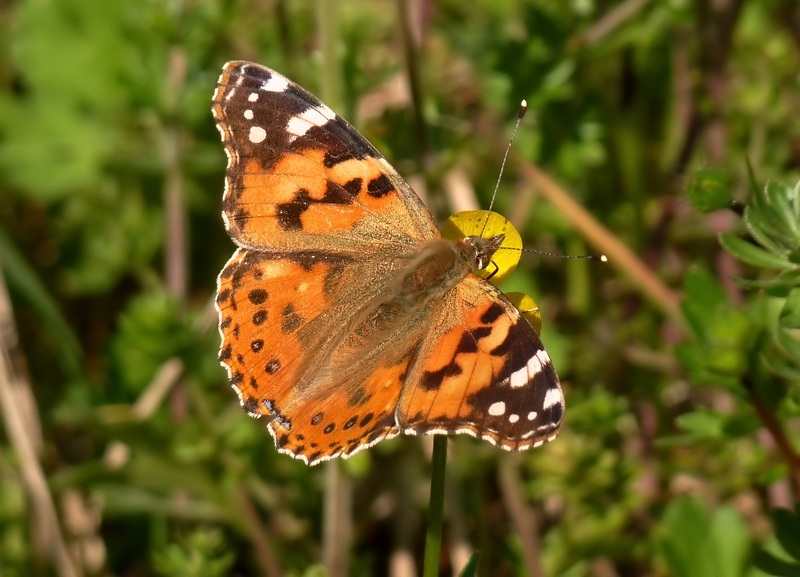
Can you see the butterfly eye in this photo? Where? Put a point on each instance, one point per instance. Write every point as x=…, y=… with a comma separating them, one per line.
x=486, y=225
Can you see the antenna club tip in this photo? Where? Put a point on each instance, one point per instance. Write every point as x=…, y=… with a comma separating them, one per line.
x=523, y=107
x=602, y=258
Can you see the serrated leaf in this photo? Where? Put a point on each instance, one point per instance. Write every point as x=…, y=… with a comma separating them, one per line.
x=780, y=197
x=762, y=227
x=751, y=254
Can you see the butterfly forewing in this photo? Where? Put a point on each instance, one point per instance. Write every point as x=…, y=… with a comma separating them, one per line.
x=300, y=177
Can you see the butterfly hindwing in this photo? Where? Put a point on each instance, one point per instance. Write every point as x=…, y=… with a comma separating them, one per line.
x=487, y=375
x=294, y=357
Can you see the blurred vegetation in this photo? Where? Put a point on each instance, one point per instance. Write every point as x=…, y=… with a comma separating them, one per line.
x=675, y=124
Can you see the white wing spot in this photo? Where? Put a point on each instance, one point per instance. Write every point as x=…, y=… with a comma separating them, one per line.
x=543, y=356
x=513, y=418
x=248, y=114
x=522, y=377
x=308, y=119
x=276, y=83
x=253, y=97
x=532, y=415
x=519, y=377
x=497, y=409
x=553, y=397
x=257, y=134
x=326, y=112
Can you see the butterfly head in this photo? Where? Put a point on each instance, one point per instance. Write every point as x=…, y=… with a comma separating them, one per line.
x=493, y=244
x=481, y=251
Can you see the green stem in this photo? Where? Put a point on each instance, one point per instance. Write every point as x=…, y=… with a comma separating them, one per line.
x=433, y=540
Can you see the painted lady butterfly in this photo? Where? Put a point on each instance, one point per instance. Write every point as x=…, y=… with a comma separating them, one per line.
x=345, y=317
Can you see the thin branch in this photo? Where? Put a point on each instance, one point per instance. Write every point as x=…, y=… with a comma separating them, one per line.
x=777, y=433
x=522, y=517
x=262, y=549
x=612, y=20
x=46, y=518
x=175, y=267
x=619, y=255
x=338, y=520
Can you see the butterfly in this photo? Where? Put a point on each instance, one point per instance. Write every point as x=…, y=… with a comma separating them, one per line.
x=345, y=317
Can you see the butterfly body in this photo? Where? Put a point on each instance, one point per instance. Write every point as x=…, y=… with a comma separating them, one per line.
x=345, y=317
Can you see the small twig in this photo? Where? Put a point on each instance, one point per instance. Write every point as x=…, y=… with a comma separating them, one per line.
x=337, y=511
x=175, y=257
x=175, y=268
x=262, y=548
x=460, y=548
x=777, y=433
x=412, y=38
x=48, y=527
x=612, y=20
x=405, y=519
x=619, y=255
x=337, y=520
x=165, y=379
x=522, y=517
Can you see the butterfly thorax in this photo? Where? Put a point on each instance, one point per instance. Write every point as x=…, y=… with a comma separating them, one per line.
x=435, y=270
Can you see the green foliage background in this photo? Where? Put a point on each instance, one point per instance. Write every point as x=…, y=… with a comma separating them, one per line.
x=662, y=118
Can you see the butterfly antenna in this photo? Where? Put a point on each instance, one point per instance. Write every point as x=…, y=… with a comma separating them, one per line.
x=523, y=108
x=600, y=257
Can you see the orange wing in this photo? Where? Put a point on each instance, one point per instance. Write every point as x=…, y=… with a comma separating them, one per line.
x=486, y=374
x=291, y=357
x=301, y=178
x=315, y=335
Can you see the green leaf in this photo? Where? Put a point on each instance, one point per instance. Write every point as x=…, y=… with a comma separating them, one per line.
x=702, y=423
x=26, y=285
x=762, y=227
x=779, y=286
x=787, y=530
x=731, y=542
x=684, y=540
x=471, y=568
x=771, y=565
x=697, y=543
x=789, y=342
x=778, y=366
x=782, y=199
x=790, y=314
x=751, y=254
x=709, y=190
x=703, y=296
